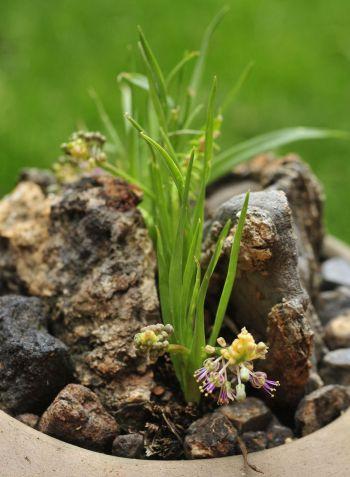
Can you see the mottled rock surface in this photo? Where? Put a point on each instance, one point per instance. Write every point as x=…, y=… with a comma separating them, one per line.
x=87, y=251
x=305, y=198
x=77, y=416
x=34, y=366
x=332, y=303
x=255, y=440
x=28, y=419
x=320, y=408
x=252, y=414
x=211, y=436
x=337, y=332
x=335, y=367
x=268, y=297
x=277, y=434
x=129, y=445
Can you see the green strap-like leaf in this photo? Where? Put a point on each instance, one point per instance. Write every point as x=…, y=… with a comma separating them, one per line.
x=243, y=151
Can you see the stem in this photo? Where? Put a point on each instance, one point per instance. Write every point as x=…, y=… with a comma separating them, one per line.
x=192, y=392
x=177, y=348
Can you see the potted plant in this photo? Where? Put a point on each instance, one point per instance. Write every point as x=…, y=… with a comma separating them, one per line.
x=76, y=249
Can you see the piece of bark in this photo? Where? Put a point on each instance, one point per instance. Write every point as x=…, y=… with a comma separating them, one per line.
x=305, y=197
x=268, y=297
x=87, y=251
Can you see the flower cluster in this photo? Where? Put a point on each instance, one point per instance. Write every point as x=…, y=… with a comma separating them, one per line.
x=232, y=367
x=82, y=153
x=153, y=340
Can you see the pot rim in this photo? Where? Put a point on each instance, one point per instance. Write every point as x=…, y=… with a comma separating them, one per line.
x=26, y=452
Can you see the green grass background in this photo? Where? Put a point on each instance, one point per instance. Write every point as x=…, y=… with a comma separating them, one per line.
x=51, y=53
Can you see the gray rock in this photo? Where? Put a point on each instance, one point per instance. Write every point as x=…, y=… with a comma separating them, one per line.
x=252, y=414
x=332, y=303
x=277, y=434
x=42, y=177
x=35, y=366
x=335, y=367
x=129, y=445
x=337, y=332
x=87, y=250
x=268, y=297
x=77, y=416
x=211, y=436
x=28, y=419
x=336, y=271
x=320, y=408
x=314, y=382
x=255, y=440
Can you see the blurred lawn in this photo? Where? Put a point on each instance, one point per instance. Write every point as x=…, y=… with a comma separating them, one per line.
x=51, y=53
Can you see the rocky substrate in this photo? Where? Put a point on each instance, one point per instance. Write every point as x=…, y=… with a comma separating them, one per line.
x=78, y=280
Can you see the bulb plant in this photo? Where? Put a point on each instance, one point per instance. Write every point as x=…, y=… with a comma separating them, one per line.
x=169, y=149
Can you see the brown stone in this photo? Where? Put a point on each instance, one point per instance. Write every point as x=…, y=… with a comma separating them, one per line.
x=211, y=436
x=337, y=332
x=77, y=416
x=255, y=440
x=252, y=414
x=335, y=367
x=277, y=434
x=320, y=408
x=28, y=419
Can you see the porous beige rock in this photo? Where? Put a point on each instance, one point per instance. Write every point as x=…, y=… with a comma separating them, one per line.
x=86, y=251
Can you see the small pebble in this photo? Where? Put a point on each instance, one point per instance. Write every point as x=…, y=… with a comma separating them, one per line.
x=336, y=271
x=337, y=332
x=211, y=436
x=335, y=367
x=130, y=445
x=320, y=408
x=252, y=414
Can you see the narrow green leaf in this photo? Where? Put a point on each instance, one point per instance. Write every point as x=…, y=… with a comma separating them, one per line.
x=155, y=70
x=243, y=151
x=180, y=65
x=106, y=120
x=232, y=95
x=231, y=274
x=199, y=68
x=135, y=79
x=172, y=166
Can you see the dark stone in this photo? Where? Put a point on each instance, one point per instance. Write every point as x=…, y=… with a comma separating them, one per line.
x=211, y=436
x=320, y=408
x=335, y=272
x=277, y=434
x=77, y=416
x=34, y=366
x=129, y=445
x=332, y=303
x=254, y=440
x=314, y=382
x=42, y=177
x=28, y=419
x=335, y=367
x=337, y=332
x=252, y=414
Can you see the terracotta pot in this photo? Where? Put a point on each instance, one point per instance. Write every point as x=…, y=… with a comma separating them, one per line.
x=25, y=452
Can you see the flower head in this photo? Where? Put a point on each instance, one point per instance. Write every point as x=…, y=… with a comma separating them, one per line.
x=153, y=340
x=232, y=367
x=82, y=153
